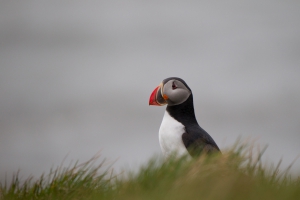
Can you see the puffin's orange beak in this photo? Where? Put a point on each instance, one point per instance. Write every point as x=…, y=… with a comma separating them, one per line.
x=156, y=97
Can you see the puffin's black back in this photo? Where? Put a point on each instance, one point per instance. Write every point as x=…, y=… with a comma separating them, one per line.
x=195, y=139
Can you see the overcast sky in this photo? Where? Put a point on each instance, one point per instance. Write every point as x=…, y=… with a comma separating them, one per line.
x=76, y=76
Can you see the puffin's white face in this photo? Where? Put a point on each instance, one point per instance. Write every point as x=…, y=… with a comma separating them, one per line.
x=172, y=91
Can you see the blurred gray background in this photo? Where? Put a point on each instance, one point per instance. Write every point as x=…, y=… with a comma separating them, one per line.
x=76, y=76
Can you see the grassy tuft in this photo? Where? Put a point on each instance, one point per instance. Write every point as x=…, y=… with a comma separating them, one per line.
x=79, y=181
x=235, y=174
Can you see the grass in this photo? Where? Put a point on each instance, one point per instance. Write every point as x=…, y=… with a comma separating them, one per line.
x=236, y=174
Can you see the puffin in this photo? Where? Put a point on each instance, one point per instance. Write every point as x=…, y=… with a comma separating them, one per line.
x=179, y=132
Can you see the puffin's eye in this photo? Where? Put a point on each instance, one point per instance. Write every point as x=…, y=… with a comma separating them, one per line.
x=173, y=86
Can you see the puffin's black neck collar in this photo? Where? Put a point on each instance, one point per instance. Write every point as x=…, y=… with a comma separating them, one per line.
x=184, y=112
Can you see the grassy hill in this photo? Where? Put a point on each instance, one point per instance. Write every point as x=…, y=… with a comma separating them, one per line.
x=236, y=174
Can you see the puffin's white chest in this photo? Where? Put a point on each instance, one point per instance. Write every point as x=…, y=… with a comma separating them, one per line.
x=170, y=136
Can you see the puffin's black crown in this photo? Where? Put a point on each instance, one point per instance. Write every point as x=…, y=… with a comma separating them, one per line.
x=176, y=78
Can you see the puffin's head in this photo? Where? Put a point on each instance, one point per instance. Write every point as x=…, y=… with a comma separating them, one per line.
x=171, y=91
